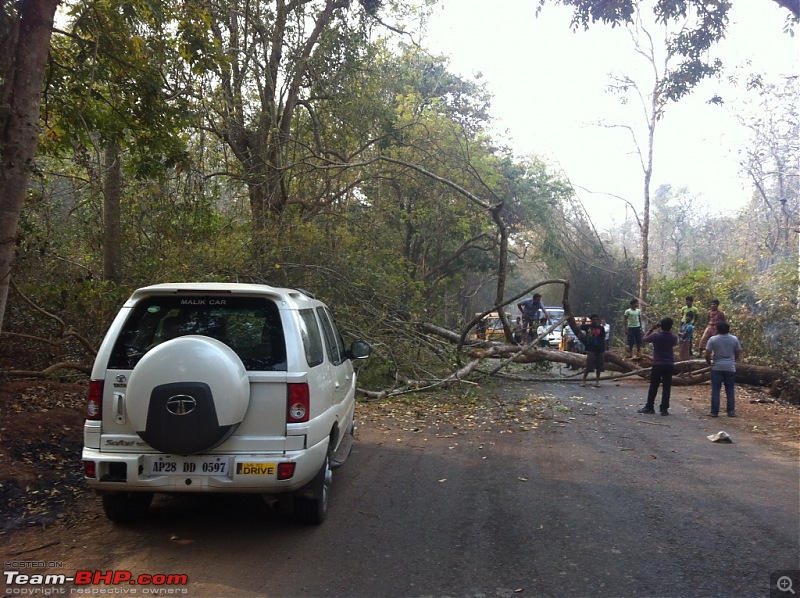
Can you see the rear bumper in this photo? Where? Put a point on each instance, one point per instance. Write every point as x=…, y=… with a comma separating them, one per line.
x=124, y=472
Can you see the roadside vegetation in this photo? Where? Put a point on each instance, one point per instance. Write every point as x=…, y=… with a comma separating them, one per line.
x=313, y=145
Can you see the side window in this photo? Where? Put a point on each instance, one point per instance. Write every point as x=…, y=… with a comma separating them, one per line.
x=312, y=339
x=336, y=348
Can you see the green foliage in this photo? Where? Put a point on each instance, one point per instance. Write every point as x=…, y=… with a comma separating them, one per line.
x=111, y=80
x=171, y=229
x=770, y=316
x=180, y=237
x=667, y=294
x=81, y=300
x=369, y=286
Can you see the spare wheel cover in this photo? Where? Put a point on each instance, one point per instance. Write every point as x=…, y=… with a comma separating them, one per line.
x=187, y=395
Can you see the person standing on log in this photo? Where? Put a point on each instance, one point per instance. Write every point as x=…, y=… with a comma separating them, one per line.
x=715, y=318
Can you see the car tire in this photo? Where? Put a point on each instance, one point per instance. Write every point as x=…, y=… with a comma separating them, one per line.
x=310, y=503
x=187, y=395
x=126, y=507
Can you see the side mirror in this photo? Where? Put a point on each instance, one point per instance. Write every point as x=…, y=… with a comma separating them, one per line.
x=359, y=350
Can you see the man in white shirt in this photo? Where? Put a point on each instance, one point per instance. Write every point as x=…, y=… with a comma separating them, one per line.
x=722, y=353
x=541, y=330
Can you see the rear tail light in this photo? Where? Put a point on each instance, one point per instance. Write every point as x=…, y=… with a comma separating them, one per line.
x=298, y=403
x=90, y=469
x=94, y=400
x=285, y=470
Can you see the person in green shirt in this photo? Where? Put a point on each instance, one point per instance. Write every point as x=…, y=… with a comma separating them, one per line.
x=633, y=324
x=689, y=308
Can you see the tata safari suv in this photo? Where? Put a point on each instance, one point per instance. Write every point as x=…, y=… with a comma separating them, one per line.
x=212, y=387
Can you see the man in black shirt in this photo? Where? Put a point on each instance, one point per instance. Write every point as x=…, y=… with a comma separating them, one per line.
x=593, y=337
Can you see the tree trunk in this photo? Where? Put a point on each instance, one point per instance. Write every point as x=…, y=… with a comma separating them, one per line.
x=20, y=133
x=260, y=135
x=112, y=196
x=644, y=267
x=757, y=375
x=268, y=200
x=502, y=268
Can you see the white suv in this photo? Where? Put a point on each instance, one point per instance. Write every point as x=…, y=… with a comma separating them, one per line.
x=214, y=387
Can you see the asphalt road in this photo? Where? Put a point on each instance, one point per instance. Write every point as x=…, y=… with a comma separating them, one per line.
x=554, y=491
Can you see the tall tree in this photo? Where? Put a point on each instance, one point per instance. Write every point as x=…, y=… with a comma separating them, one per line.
x=113, y=85
x=112, y=198
x=667, y=79
x=25, y=30
x=268, y=66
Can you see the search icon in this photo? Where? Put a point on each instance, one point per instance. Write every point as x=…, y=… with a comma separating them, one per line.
x=785, y=584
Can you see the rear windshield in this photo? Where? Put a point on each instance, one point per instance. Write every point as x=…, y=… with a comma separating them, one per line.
x=250, y=326
x=555, y=313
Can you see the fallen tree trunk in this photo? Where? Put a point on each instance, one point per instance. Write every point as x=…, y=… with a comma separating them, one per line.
x=693, y=371
x=755, y=375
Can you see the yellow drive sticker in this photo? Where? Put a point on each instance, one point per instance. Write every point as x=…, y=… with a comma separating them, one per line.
x=255, y=469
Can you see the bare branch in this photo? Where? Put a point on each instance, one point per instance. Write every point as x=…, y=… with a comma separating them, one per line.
x=86, y=369
x=62, y=326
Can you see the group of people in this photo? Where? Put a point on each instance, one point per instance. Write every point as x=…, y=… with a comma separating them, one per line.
x=689, y=318
x=720, y=348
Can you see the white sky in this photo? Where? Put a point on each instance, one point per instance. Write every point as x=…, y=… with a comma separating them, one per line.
x=549, y=85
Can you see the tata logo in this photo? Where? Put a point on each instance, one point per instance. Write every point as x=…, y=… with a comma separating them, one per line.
x=181, y=404
x=121, y=378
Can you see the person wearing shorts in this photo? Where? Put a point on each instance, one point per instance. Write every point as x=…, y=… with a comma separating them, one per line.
x=593, y=336
x=685, y=338
x=633, y=324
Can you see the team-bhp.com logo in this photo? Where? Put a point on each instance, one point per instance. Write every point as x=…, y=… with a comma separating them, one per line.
x=18, y=583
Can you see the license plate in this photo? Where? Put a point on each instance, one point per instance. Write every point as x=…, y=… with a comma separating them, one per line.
x=255, y=469
x=168, y=465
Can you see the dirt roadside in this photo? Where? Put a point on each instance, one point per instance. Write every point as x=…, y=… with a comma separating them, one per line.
x=43, y=499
